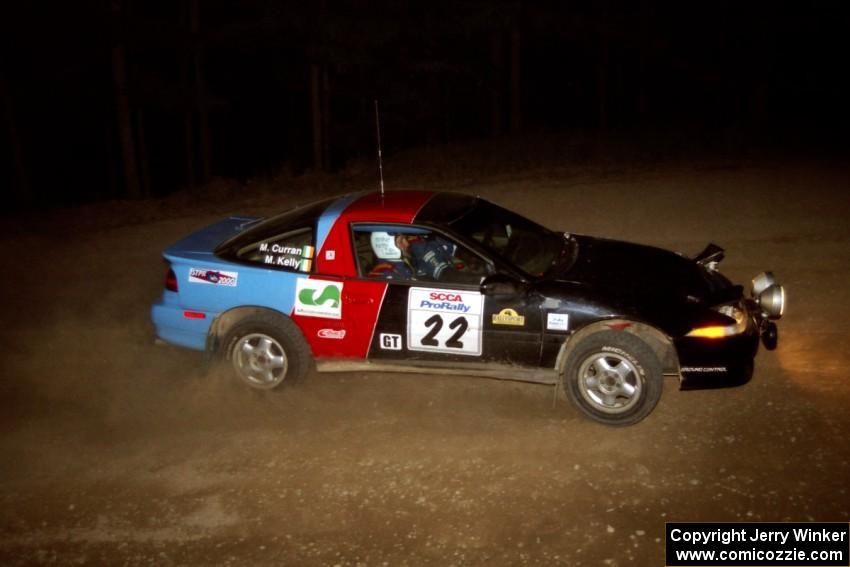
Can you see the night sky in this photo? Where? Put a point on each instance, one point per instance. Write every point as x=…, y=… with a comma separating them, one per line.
x=134, y=99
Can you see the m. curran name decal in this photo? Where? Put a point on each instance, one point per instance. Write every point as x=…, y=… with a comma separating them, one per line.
x=296, y=258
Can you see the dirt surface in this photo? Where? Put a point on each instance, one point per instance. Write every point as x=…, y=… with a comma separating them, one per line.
x=116, y=451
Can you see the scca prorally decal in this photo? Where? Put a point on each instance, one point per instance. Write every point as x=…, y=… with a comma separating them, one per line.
x=337, y=334
x=508, y=317
x=445, y=321
x=318, y=298
x=444, y=301
x=213, y=277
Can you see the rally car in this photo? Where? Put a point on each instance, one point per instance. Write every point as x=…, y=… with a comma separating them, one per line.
x=423, y=282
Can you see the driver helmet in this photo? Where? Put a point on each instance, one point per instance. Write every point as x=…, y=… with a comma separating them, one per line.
x=383, y=244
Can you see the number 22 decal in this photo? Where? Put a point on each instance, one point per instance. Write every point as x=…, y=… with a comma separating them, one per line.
x=435, y=323
x=446, y=321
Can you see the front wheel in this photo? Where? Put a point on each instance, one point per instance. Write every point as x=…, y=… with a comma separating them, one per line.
x=265, y=351
x=614, y=378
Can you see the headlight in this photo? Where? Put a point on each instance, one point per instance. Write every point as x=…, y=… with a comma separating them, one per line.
x=761, y=282
x=769, y=295
x=719, y=331
x=772, y=301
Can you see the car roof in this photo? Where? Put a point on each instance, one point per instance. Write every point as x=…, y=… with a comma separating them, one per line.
x=391, y=206
x=400, y=207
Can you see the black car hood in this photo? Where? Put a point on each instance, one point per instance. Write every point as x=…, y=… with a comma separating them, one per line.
x=645, y=282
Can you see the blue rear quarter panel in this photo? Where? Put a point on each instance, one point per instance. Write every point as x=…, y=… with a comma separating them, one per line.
x=253, y=286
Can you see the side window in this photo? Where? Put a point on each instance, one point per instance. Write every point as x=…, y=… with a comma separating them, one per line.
x=417, y=254
x=290, y=250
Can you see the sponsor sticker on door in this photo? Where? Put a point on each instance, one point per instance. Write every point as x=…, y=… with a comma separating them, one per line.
x=318, y=298
x=508, y=317
x=337, y=334
x=558, y=321
x=445, y=321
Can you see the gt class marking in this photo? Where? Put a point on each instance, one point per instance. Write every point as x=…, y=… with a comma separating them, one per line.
x=508, y=317
x=389, y=341
x=318, y=298
x=213, y=277
x=444, y=321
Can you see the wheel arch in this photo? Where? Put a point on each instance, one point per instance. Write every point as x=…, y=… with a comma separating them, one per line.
x=659, y=342
x=227, y=319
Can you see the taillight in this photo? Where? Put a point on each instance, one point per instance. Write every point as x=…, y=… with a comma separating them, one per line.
x=171, y=280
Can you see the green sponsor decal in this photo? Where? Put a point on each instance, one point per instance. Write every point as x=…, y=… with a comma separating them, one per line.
x=329, y=293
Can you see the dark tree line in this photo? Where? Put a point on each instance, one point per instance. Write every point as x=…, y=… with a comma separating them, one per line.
x=135, y=98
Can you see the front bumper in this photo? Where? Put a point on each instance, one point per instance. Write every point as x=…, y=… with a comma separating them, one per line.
x=728, y=361
x=717, y=363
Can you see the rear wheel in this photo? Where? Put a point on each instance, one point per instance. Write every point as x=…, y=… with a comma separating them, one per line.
x=614, y=378
x=265, y=351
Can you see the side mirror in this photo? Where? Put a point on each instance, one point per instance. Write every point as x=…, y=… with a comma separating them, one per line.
x=501, y=285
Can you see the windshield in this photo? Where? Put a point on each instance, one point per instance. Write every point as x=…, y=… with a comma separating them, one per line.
x=529, y=246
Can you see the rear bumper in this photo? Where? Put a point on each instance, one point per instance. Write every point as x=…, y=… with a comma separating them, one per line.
x=717, y=363
x=174, y=326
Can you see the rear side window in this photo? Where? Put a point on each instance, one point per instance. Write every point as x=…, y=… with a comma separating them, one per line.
x=290, y=250
x=284, y=242
x=273, y=228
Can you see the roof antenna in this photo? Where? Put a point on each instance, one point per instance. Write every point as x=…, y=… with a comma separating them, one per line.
x=380, y=160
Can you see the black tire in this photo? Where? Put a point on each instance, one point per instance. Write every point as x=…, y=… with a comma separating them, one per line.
x=614, y=378
x=266, y=350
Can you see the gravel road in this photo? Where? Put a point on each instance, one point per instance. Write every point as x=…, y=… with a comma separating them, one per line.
x=116, y=451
